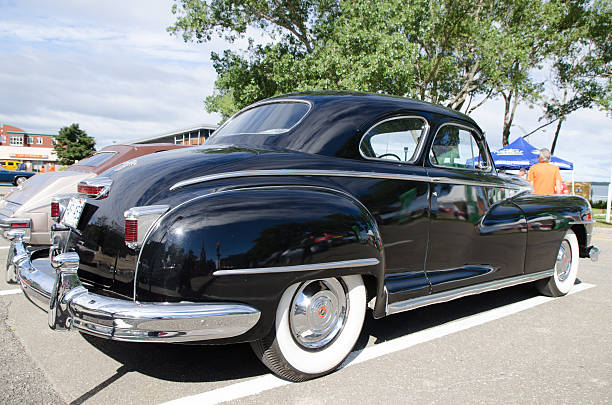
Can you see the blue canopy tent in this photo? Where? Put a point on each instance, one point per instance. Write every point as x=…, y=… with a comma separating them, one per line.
x=522, y=154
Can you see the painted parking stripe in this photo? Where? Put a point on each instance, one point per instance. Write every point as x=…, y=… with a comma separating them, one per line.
x=10, y=292
x=268, y=381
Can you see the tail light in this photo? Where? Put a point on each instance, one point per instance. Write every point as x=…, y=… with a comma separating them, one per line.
x=138, y=222
x=58, y=205
x=20, y=225
x=96, y=188
x=55, y=210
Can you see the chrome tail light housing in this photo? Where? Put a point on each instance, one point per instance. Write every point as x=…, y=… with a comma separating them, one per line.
x=138, y=222
x=59, y=203
x=96, y=188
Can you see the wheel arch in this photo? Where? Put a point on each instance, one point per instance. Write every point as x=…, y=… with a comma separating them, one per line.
x=235, y=245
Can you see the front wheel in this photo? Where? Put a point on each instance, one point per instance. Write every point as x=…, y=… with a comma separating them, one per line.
x=566, y=269
x=317, y=324
x=20, y=180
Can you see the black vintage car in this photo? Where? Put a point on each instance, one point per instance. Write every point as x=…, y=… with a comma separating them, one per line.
x=299, y=214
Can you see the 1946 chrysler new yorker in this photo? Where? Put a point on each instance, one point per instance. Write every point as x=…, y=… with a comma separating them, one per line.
x=299, y=214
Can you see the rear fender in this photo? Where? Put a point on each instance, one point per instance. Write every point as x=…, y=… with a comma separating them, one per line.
x=248, y=245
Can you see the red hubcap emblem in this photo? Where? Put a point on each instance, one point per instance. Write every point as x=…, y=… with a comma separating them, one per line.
x=322, y=312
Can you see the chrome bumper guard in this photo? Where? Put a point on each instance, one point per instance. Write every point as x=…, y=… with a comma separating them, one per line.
x=593, y=252
x=55, y=287
x=8, y=224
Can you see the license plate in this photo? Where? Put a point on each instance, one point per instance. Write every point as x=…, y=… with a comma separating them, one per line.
x=73, y=212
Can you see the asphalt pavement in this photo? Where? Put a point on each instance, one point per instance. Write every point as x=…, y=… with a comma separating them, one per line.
x=507, y=346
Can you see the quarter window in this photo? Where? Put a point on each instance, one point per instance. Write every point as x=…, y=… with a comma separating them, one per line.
x=456, y=147
x=396, y=139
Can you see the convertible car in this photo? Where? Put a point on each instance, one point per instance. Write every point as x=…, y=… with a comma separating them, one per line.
x=299, y=215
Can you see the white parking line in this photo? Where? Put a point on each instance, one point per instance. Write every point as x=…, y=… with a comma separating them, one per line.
x=10, y=292
x=268, y=381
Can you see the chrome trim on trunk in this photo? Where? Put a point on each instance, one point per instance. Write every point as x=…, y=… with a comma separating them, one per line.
x=333, y=173
x=450, y=295
x=300, y=267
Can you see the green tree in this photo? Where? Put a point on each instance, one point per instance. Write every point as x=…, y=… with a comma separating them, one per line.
x=581, y=60
x=72, y=143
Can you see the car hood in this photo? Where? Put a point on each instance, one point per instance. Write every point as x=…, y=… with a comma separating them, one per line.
x=39, y=189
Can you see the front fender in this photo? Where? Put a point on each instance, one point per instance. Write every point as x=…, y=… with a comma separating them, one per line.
x=249, y=245
x=549, y=217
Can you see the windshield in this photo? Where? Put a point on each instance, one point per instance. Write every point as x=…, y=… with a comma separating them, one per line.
x=96, y=159
x=266, y=119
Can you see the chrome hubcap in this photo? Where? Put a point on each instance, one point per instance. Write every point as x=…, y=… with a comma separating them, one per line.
x=564, y=261
x=318, y=312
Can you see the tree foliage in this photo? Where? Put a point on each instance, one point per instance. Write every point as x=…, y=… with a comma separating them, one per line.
x=459, y=53
x=581, y=59
x=73, y=143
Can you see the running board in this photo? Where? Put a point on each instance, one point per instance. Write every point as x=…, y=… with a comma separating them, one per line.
x=450, y=295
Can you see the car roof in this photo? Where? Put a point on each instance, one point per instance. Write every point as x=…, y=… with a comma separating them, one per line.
x=337, y=120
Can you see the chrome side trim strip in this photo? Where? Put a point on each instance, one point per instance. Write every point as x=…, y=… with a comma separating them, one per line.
x=332, y=173
x=301, y=267
x=445, y=296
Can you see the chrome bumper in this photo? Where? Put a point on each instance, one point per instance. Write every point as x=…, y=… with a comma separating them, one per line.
x=593, y=252
x=55, y=287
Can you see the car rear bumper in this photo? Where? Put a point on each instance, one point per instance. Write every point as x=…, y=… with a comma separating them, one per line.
x=72, y=307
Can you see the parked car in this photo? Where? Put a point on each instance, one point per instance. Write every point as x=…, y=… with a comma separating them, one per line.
x=29, y=206
x=13, y=176
x=9, y=164
x=299, y=214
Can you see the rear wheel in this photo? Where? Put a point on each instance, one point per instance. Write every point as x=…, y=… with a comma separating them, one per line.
x=19, y=181
x=566, y=269
x=317, y=324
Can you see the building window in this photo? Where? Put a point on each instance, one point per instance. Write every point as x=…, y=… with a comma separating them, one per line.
x=2, y=138
x=39, y=141
x=17, y=140
x=53, y=141
x=30, y=140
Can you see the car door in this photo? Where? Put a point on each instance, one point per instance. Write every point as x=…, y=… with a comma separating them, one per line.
x=476, y=232
x=397, y=195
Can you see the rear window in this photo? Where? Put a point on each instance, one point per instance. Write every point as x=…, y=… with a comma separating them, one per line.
x=266, y=119
x=96, y=159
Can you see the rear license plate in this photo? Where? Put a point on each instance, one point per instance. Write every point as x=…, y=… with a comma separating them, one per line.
x=73, y=212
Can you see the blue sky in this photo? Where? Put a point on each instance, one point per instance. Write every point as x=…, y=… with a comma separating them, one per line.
x=112, y=67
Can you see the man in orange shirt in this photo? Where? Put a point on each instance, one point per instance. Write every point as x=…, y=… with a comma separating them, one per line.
x=544, y=176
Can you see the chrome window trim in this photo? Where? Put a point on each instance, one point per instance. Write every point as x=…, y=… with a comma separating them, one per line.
x=334, y=173
x=300, y=267
x=417, y=152
x=281, y=101
x=450, y=295
x=489, y=168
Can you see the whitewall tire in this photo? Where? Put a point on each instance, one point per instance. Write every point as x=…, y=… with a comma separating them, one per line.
x=566, y=268
x=317, y=325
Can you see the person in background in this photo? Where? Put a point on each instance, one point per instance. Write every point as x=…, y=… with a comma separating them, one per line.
x=544, y=176
x=522, y=173
x=21, y=166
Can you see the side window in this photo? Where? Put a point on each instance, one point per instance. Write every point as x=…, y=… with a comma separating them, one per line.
x=396, y=139
x=457, y=147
